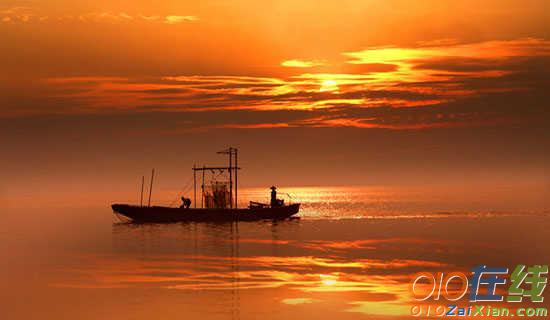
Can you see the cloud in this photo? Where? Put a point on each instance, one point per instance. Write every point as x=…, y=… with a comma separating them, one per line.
x=297, y=301
x=481, y=59
x=19, y=14
x=101, y=17
x=446, y=86
x=302, y=63
x=35, y=15
x=254, y=125
x=124, y=17
x=179, y=19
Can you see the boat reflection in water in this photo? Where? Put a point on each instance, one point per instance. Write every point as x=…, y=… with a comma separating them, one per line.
x=245, y=268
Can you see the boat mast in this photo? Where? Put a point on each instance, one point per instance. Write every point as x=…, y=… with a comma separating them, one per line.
x=151, y=186
x=194, y=186
x=231, y=152
x=236, y=175
x=202, y=188
x=230, y=180
x=141, y=198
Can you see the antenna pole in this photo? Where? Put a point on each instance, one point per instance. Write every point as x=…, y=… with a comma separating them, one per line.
x=141, y=198
x=151, y=186
x=194, y=187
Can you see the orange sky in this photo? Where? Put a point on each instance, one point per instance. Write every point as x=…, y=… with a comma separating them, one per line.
x=383, y=85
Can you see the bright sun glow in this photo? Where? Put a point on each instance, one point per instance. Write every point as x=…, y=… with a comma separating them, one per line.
x=328, y=279
x=328, y=86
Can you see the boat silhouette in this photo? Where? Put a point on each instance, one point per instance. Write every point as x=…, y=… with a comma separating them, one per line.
x=218, y=201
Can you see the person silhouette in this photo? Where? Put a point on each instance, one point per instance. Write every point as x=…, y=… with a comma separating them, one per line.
x=185, y=202
x=274, y=202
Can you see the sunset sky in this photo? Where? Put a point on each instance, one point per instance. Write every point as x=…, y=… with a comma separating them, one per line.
x=95, y=93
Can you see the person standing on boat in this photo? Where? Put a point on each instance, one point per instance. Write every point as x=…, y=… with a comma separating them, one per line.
x=274, y=201
x=273, y=196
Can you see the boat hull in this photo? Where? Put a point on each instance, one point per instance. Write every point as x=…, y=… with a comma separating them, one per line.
x=158, y=214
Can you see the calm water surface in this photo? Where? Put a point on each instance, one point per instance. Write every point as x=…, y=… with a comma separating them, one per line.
x=351, y=255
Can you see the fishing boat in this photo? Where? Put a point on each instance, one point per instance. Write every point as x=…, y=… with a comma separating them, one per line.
x=218, y=200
